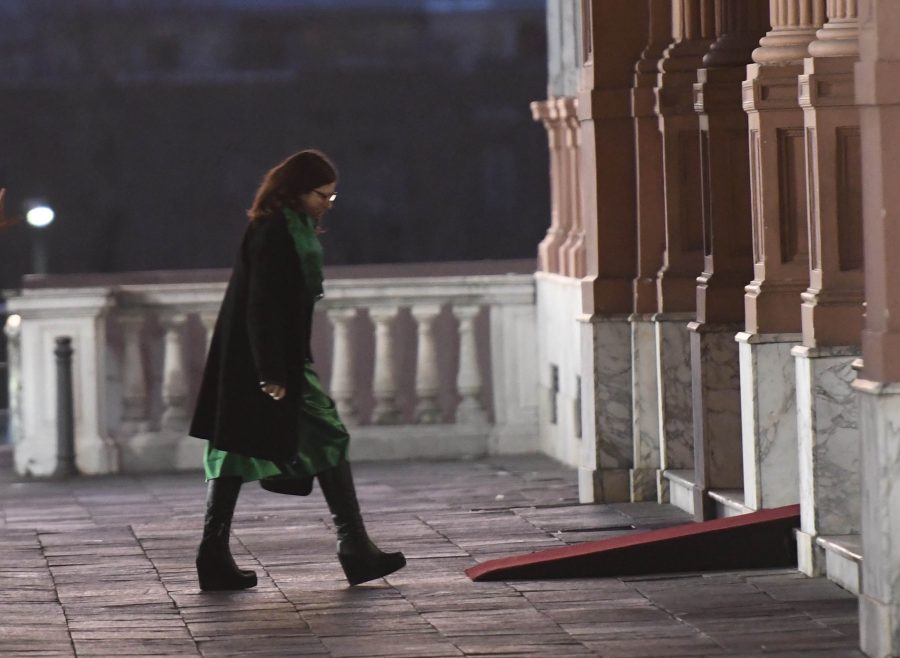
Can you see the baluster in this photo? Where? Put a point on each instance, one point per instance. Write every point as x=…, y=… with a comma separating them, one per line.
x=342, y=383
x=174, y=386
x=384, y=382
x=468, y=380
x=209, y=324
x=134, y=387
x=427, y=410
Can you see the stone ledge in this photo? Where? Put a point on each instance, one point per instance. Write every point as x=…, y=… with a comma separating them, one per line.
x=843, y=560
x=729, y=502
x=681, y=488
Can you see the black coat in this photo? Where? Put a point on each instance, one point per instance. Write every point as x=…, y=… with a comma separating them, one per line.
x=262, y=334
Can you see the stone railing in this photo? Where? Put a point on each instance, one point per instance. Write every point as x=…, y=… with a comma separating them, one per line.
x=433, y=366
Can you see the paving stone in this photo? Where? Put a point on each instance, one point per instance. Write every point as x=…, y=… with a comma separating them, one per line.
x=105, y=567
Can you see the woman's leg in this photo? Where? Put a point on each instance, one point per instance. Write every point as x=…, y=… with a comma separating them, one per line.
x=360, y=558
x=216, y=569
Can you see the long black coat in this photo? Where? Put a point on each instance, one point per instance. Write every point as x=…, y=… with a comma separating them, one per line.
x=262, y=334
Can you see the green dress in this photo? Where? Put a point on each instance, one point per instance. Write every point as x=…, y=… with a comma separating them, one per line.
x=323, y=438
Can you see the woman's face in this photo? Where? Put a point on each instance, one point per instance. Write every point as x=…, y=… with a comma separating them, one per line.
x=319, y=201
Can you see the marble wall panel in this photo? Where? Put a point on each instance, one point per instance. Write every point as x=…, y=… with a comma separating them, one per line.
x=674, y=380
x=880, y=596
x=607, y=444
x=769, y=419
x=717, y=406
x=829, y=456
x=645, y=408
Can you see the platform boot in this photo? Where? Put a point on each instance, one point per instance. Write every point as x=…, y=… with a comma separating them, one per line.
x=216, y=569
x=360, y=558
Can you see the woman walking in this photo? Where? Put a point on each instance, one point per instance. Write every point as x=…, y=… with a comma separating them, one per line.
x=261, y=406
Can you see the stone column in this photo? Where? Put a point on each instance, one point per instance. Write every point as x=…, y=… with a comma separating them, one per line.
x=427, y=408
x=832, y=308
x=780, y=254
x=679, y=125
x=468, y=380
x=727, y=257
x=651, y=244
x=384, y=384
x=343, y=387
x=615, y=34
x=878, y=386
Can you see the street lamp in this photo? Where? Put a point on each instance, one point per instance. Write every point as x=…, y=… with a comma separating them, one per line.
x=39, y=216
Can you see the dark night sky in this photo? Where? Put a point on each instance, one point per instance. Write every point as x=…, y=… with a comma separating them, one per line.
x=148, y=124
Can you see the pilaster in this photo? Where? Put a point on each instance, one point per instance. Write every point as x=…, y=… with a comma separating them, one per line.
x=832, y=307
x=615, y=34
x=693, y=32
x=727, y=250
x=878, y=387
x=780, y=254
x=651, y=245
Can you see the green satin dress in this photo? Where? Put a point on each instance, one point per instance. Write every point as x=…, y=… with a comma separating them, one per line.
x=323, y=438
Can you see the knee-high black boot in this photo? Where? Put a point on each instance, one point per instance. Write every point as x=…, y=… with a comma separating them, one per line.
x=216, y=569
x=360, y=558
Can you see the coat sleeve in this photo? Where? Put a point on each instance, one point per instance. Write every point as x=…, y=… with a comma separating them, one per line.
x=266, y=325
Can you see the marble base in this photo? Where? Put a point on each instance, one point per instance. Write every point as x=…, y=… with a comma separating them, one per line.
x=607, y=444
x=880, y=596
x=843, y=561
x=644, y=408
x=810, y=555
x=676, y=424
x=828, y=433
x=769, y=419
x=717, y=413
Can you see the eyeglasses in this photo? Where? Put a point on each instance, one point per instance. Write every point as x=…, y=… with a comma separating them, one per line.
x=326, y=197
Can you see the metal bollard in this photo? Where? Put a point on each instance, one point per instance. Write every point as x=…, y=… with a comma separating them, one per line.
x=65, y=409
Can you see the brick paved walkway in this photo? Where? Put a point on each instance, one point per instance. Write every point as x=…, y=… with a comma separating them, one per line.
x=104, y=567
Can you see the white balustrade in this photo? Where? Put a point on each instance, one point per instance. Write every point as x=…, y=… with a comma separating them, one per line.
x=384, y=382
x=134, y=388
x=143, y=399
x=342, y=383
x=468, y=381
x=174, y=387
x=427, y=385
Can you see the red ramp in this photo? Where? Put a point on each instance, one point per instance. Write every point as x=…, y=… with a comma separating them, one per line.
x=749, y=541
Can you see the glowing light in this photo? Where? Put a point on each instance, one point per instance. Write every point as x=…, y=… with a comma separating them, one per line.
x=40, y=216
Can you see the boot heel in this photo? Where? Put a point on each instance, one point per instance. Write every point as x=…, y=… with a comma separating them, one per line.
x=358, y=570
x=213, y=578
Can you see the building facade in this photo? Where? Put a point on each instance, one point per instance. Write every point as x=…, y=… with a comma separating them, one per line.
x=721, y=247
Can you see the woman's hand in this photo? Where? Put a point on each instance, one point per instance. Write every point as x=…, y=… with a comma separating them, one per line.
x=274, y=391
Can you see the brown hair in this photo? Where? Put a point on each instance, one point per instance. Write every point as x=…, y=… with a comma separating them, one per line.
x=282, y=186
